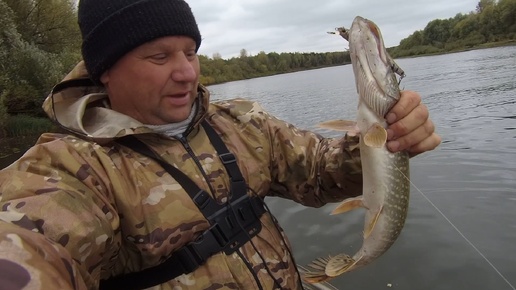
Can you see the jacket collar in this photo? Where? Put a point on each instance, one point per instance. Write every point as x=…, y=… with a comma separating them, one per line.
x=82, y=108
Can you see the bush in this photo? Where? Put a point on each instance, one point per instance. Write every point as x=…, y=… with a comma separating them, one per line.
x=474, y=39
x=416, y=50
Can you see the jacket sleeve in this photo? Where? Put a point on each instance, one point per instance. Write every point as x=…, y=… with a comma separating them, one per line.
x=57, y=224
x=311, y=169
x=301, y=165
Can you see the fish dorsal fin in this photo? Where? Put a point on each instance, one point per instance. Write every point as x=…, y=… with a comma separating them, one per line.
x=369, y=229
x=376, y=136
x=341, y=125
x=349, y=204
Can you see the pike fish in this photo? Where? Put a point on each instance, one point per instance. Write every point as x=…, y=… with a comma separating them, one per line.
x=386, y=184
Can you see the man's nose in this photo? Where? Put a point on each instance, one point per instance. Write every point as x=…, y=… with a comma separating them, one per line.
x=185, y=70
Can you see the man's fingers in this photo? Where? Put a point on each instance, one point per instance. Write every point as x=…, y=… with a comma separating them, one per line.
x=417, y=118
x=410, y=127
x=429, y=143
x=408, y=101
x=416, y=136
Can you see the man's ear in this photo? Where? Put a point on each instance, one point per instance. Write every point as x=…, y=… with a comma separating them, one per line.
x=104, y=78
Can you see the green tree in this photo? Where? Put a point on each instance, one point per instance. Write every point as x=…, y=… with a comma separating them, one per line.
x=507, y=15
x=32, y=73
x=36, y=50
x=262, y=62
x=28, y=72
x=415, y=39
x=273, y=61
x=243, y=53
x=436, y=33
x=466, y=26
x=50, y=25
x=483, y=4
x=9, y=39
x=489, y=22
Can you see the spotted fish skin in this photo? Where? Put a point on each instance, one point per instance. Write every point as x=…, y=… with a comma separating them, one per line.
x=386, y=184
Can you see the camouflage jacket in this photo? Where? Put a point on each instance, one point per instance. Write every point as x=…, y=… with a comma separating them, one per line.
x=79, y=207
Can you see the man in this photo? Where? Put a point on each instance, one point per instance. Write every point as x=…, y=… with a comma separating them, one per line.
x=156, y=186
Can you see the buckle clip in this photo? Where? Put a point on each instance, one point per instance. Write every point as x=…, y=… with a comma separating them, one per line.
x=227, y=158
x=189, y=258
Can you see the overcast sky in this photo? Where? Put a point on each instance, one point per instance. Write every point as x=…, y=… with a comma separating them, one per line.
x=228, y=26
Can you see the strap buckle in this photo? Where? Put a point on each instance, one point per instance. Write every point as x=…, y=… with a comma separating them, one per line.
x=227, y=158
x=195, y=253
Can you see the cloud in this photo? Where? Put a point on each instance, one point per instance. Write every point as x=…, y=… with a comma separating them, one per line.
x=228, y=26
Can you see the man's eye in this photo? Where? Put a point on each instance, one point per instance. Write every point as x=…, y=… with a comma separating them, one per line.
x=191, y=54
x=158, y=57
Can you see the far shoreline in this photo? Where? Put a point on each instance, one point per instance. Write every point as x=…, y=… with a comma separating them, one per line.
x=464, y=49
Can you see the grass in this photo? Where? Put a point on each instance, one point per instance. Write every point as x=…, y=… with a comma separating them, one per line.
x=23, y=125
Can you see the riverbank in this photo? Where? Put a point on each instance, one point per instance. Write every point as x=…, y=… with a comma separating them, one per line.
x=462, y=49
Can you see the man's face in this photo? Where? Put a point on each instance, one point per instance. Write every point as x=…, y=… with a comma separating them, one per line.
x=155, y=83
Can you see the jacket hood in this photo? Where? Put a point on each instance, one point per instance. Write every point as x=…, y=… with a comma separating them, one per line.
x=82, y=108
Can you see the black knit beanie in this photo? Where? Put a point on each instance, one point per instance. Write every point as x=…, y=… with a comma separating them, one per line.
x=112, y=28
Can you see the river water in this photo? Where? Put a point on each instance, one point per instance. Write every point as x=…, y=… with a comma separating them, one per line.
x=461, y=228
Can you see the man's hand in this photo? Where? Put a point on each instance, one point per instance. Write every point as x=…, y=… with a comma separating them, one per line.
x=410, y=127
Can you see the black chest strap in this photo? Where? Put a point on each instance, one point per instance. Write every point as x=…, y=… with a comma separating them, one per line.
x=232, y=224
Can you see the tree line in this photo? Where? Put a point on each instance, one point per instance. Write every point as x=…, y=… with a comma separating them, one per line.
x=40, y=42
x=491, y=22
x=217, y=70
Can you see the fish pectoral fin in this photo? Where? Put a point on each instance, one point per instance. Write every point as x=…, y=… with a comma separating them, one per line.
x=338, y=265
x=376, y=136
x=372, y=224
x=349, y=204
x=341, y=125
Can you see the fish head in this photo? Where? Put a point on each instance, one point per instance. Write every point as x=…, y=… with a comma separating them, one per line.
x=374, y=69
